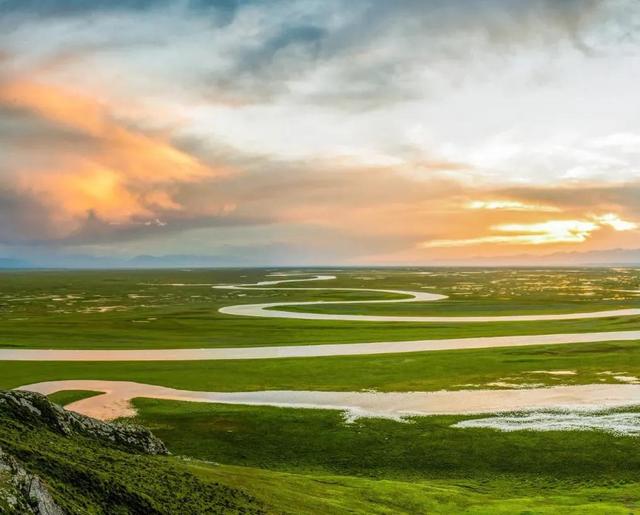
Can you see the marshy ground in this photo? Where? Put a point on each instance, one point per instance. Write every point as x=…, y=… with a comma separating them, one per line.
x=290, y=457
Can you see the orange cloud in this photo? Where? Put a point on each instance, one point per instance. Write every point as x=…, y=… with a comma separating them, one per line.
x=549, y=232
x=126, y=173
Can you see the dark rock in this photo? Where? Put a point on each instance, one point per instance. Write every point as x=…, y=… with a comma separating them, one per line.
x=36, y=410
x=24, y=492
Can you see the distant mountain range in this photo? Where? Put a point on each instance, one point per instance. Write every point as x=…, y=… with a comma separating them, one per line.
x=611, y=257
x=142, y=261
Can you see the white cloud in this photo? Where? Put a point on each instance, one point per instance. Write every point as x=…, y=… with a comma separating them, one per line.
x=556, y=231
x=509, y=205
x=615, y=222
x=549, y=232
x=539, y=93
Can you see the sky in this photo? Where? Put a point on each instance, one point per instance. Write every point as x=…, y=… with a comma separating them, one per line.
x=242, y=132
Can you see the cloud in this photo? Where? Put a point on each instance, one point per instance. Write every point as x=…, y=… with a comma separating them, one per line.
x=543, y=233
x=23, y=216
x=68, y=151
x=359, y=130
x=315, y=52
x=622, y=196
x=509, y=205
x=615, y=222
x=28, y=9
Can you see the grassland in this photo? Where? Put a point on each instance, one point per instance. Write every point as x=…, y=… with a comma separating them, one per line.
x=468, y=307
x=319, y=441
x=308, y=461
x=382, y=466
x=141, y=309
x=96, y=476
x=329, y=494
x=426, y=371
x=86, y=476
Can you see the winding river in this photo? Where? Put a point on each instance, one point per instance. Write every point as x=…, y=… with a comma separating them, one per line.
x=115, y=400
x=269, y=310
x=338, y=349
x=582, y=404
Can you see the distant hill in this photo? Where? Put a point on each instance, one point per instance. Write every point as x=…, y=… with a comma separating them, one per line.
x=610, y=257
x=171, y=261
x=98, y=262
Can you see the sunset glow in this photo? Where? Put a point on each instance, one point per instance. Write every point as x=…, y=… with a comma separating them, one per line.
x=390, y=135
x=509, y=205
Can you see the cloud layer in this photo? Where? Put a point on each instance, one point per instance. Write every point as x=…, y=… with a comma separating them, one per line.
x=398, y=132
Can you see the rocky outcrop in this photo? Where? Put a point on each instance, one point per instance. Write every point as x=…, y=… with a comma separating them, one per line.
x=55, y=462
x=22, y=492
x=35, y=409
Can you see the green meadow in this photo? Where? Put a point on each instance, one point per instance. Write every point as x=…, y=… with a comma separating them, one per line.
x=315, y=461
x=320, y=441
x=420, y=371
x=85, y=476
x=179, y=309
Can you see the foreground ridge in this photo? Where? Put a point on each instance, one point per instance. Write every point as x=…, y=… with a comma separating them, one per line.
x=35, y=409
x=55, y=462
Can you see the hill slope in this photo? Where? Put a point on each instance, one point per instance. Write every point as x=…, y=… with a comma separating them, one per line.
x=56, y=462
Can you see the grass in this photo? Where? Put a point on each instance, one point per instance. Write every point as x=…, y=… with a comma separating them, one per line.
x=66, y=397
x=61, y=309
x=322, y=494
x=423, y=371
x=205, y=330
x=308, y=461
x=87, y=476
x=467, y=307
x=320, y=442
